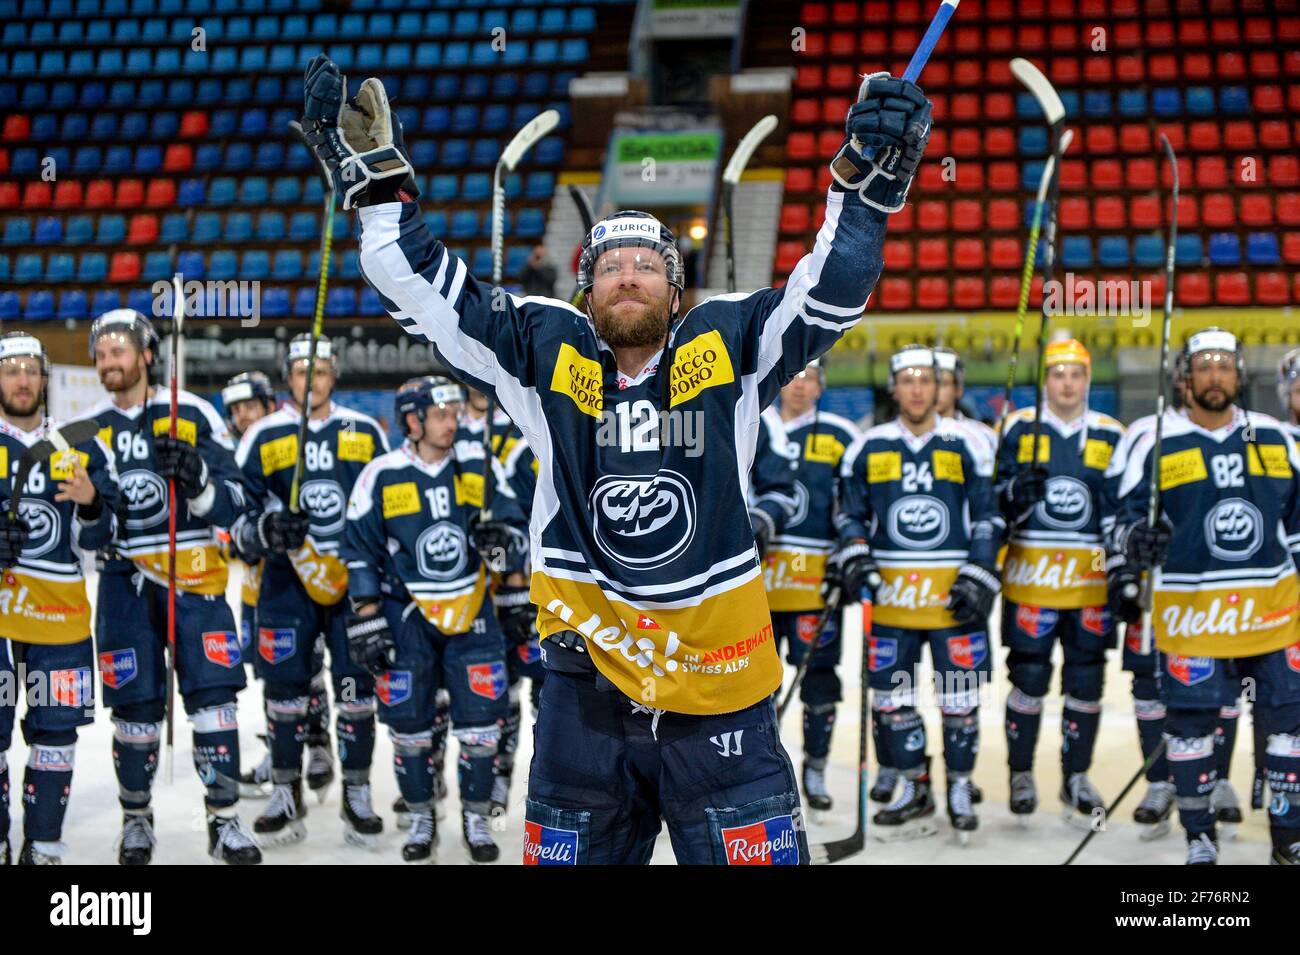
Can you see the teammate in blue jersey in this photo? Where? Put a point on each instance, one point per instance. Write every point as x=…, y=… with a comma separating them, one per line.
x=131, y=612
x=421, y=553
x=917, y=514
x=64, y=510
x=796, y=562
x=654, y=622
x=301, y=601
x=1223, y=556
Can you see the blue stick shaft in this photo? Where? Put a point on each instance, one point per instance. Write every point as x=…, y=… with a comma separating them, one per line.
x=930, y=40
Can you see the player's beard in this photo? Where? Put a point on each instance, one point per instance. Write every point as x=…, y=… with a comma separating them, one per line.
x=12, y=409
x=649, y=329
x=1218, y=401
x=127, y=379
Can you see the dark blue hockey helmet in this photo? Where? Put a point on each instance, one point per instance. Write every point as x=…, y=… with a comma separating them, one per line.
x=630, y=229
x=420, y=394
x=128, y=323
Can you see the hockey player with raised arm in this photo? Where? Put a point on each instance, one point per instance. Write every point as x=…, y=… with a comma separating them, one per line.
x=796, y=562
x=304, y=584
x=421, y=555
x=1051, y=488
x=131, y=610
x=1226, y=601
x=64, y=510
x=916, y=507
x=655, y=626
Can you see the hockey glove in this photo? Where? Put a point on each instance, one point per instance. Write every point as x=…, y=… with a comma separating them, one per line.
x=516, y=613
x=14, y=532
x=282, y=531
x=359, y=142
x=494, y=541
x=893, y=119
x=370, y=643
x=970, y=599
x=1123, y=593
x=1023, y=493
x=760, y=523
x=850, y=570
x=179, y=460
x=1144, y=546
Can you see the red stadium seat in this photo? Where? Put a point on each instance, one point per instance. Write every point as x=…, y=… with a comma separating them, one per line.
x=1258, y=31
x=814, y=44
x=161, y=194
x=1184, y=172
x=1211, y=172
x=1288, y=30
x=8, y=194
x=788, y=255
x=969, y=177
x=1229, y=65
x=130, y=193
x=1109, y=212
x=834, y=109
x=966, y=141
x=999, y=141
x=124, y=267
x=1000, y=10
x=1155, y=281
x=844, y=12
x=966, y=107
x=1257, y=209
x=1232, y=288
x=1272, y=288
x=1127, y=36
x=843, y=43
x=194, y=124
x=801, y=146
x=1075, y=213
x=1197, y=66
x=1204, y=136
x=998, y=73
x=4, y=161
x=1288, y=208
x=1128, y=69
x=967, y=215
x=898, y=254
x=1291, y=248
x=798, y=180
x=1144, y=212
x=1031, y=38
x=903, y=220
x=1074, y=174
x=1005, y=253
x=1004, y=292
x=930, y=180
x=932, y=294
x=932, y=254
x=1283, y=171
x=1193, y=289
x=1100, y=140
x=1004, y=215
x=17, y=127
x=1268, y=99
x=873, y=43
x=67, y=194
x=969, y=39
x=1240, y=134
x=1291, y=62
x=999, y=106
x=828, y=143
x=1189, y=211
x=842, y=77
x=1160, y=33
x=1225, y=32
x=1175, y=133
x=1063, y=36
x=968, y=292
x=1135, y=138
x=805, y=112
x=795, y=219
x=932, y=216
x=904, y=42
x=824, y=180
x=178, y=158
x=813, y=15
x=143, y=229
x=1092, y=8
x=895, y=294
x=1107, y=174
x=1004, y=176
x=1193, y=33
x=1273, y=134
x=938, y=145
x=808, y=79
x=1264, y=63
x=1217, y=210
x=99, y=194
x=967, y=74
x=1163, y=68
x=968, y=254
x=1065, y=70
x=936, y=75
x=36, y=195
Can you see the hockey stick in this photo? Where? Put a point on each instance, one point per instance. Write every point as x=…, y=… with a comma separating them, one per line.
x=1110, y=810
x=731, y=178
x=318, y=320
x=826, y=615
x=78, y=432
x=1153, y=498
x=178, y=321
x=588, y=216
x=533, y=131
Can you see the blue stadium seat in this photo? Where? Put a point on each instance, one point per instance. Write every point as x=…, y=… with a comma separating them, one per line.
x=446, y=86
x=1166, y=101
x=481, y=262
x=269, y=157
x=341, y=302
x=1033, y=141
x=582, y=20
x=312, y=192
x=437, y=222
x=239, y=156
x=485, y=152
x=552, y=21
x=174, y=228
x=1224, y=249
x=546, y=52
x=180, y=92
x=302, y=227
x=1262, y=249
x=167, y=60
x=5, y=275
x=165, y=125
x=254, y=265
x=465, y=23
x=238, y=28
x=81, y=63
x=148, y=158
x=295, y=27
x=71, y=32
x=142, y=299
x=24, y=162
x=477, y=186
x=436, y=119
x=428, y=54
x=72, y=304
x=111, y=231
x=275, y=302
x=424, y=153
x=104, y=126
x=1233, y=100
x=207, y=157
x=223, y=264
x=530, y=223
x=222, y=192
x=1112, y=252
x=40, y=307
x=268, y=90
x=49, y=230
x=239, y=227
x=304, y=303
x=1187, y=250
x=286, y=191
x=1199, y=101
x=516, y=259
x=287, y=265
x=105, y=300
x=255, y=191
x=464, y=224
x=11, y=308
x=443, y=188
x=252, y=59
x=75, y=127
x=139, y=61
x=252, y=123
x=349, y=264
x=1149, y=251
x=127, y=31
x=536, y=85
x=18, y=232
x=53, y=63
x=540, y=185
x=455, y=152
x=118, y=160
x=1096, y=103
x=550, y=151
x=135, y=127
x=270, y=226
x=342, y=226
x=190, y=264
x=455, y=54
x=574, y=50
x=283, y=59
x=464, y=118
x=370, y=306
x=496, y=118
x=92, y=268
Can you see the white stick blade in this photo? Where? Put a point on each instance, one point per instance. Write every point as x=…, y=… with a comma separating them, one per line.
x=537, y=127
x=1041, y=87
x=745, y=148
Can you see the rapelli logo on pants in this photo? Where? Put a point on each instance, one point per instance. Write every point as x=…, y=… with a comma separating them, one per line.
x=770, y=842
x=117, y=668
x=487, y=679
x=546, y=846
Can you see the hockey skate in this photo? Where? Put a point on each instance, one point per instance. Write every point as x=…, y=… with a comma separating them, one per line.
x=814, y=786
x=886, y=782
x=230, y=842
x=361, y=824
x=961, y=808
x=910, y=815
x=136, y=841
x=1284, y=853
x=282, y=823
x=42, y=853
x=1202, y=849
x=1154, y=812
x=1227, y=810
x=422, y=841
x=1083, y=803
x=1024, y=796
x=477, y=836
x=255, y=783
x=320, y=766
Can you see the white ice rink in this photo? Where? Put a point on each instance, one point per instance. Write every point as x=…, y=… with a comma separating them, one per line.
x=94, y=818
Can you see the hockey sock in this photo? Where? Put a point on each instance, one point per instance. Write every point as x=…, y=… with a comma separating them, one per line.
x=1024, y=718
x=1079, y=722
x=46, y=785
x=1282, y=763
x=1225, y=738
x=355, y=728
x=505, y=762
x=1150, y=713
x=286, y=720
x=4, y=795
x=818, y=722
x=216, y=753
x=904, y=733
x=441, y=723
x=961, y=740
x=478, y=750
x=135, y=757
x=878, y=740
x=318, y=712
x=413, y=767
x=1189, y=739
